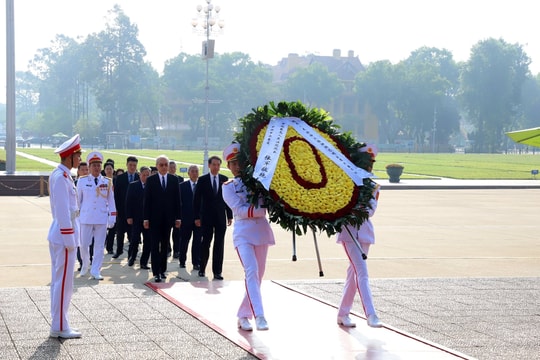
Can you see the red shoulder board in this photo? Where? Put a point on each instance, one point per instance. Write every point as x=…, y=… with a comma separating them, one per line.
x=65, y=174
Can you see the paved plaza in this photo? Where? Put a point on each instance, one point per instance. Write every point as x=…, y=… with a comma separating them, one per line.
x=455, y=265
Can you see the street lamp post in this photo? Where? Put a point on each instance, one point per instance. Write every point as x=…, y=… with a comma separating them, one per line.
x=204, y=24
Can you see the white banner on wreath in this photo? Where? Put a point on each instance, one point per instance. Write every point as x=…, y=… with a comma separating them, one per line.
x=273, y=144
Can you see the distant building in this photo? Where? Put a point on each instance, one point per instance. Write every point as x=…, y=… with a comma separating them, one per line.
x=349, y=111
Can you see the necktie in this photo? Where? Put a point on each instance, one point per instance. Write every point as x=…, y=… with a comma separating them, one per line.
x=130, y=177
x=193, y=187
x=215, y=185
x=95, y=180
x=163, y=182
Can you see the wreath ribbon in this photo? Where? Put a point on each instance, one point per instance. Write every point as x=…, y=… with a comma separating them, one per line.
x=273, y=143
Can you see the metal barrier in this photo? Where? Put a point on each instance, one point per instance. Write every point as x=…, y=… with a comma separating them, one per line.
x=24, y=185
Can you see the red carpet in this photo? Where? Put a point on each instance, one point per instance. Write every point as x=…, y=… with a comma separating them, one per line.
x=301, y=327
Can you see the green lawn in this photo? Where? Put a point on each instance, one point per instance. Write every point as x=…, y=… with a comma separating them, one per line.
x=417, y=166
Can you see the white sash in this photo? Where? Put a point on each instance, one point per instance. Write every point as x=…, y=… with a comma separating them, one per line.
x=273, y=144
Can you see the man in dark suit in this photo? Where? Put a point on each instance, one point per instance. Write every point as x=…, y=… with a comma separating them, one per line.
x=162, y=211
x=187, y=189
x=212, y=215
x=175, y=232
x=120, y=191
x=134, y=217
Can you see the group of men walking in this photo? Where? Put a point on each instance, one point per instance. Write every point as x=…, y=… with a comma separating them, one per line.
x=145, y=207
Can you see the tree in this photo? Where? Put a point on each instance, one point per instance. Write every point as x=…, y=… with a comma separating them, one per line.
x=376, y=88
x=428, y=79
x=236, y=84
x=58, y=69
x=314, y=85
x=491, y=84
x=120, y=88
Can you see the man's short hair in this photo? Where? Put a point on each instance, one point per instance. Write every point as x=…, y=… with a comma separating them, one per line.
x=82, y=163
x=214, y=157
x=143, y=168
x=132, y=158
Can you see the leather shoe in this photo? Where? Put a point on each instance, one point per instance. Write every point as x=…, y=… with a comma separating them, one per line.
x=116, y=256
x=110, y=252
x=163, y=276
x=196, y=268
x=218, y=277
x=261, y=323
x=182, y=266
x=243, y=324
x=145, y=267
x=201, y=273
x=157, y=278
x=97, y=277
x=373, y=321
x=346, y=321
x=66, y=334
x=176, y=255
x=131, y=262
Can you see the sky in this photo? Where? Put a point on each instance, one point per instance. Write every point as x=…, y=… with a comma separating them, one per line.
x=268, y=30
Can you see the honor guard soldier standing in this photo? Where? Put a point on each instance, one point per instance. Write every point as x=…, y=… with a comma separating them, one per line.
x=252, y=236
x=98, y=212
x=63, y=237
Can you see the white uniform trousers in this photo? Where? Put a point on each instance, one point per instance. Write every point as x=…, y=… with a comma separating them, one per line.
x=62, y=265
x=99, y=233
x=253, y=259
x=357, y=279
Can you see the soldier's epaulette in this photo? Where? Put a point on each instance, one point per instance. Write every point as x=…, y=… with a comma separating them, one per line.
x=228, y=181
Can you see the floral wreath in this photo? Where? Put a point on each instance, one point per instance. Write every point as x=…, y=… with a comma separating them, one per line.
x=307, y=189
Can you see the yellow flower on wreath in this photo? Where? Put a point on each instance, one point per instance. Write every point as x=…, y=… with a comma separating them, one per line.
x=332, y=188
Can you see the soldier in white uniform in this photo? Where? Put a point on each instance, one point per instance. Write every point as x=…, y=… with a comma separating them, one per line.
x=63, y=237
x=98, y=212
x=252, y=236
x=357, y=272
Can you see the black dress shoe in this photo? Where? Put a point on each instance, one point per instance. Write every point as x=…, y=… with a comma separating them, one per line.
x=157, y=278
x=145, y=267
x=131, y=262
x=201, y=273
x=176, y=255
x=163, y=276
x=182, y=266
x=196, y=267
x=115, y=256
x=218, y=277
x=110, y=252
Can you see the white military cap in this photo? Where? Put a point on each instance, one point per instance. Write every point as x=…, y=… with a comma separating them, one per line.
x=94, y=156
x=69, y=147
x=231, y=152
x=370, y=149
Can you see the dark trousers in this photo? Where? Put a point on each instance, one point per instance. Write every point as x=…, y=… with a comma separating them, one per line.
x=186, y=231
x=159, y=238
x=208, y=232
x=79, y=258
x=138, y=233
x=175, y=240
x=109, y=240
x=122, y=227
